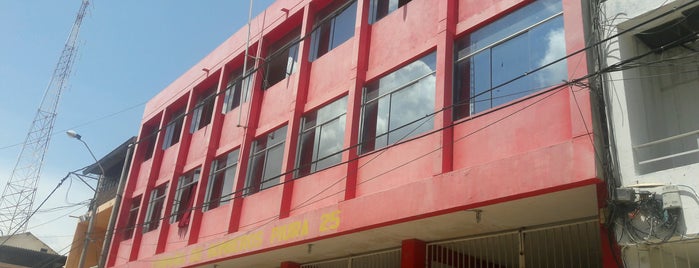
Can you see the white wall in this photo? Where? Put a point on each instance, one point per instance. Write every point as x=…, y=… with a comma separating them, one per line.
x=647, y=104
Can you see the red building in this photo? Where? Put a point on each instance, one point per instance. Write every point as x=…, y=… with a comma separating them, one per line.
x=374, y=133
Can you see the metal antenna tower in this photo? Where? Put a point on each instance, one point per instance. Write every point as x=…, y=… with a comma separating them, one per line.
x=18, y=196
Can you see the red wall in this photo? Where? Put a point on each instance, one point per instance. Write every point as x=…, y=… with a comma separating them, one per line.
x=536, y=145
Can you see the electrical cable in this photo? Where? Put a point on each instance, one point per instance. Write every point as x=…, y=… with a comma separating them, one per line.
x=37, y=208
x=609, y=68
x=82, y=124
x=62, y=216
x=606, y=70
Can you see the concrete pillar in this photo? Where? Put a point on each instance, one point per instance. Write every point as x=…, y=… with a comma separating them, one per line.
x=413, y=253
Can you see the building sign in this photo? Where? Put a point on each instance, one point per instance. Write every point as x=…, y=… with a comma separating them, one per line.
x=283, y=232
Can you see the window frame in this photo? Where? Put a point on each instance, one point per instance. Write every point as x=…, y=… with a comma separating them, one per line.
x=469, y=103
x=318, y=34
x=173, y=129
x=256, y=184
x=130, y=228
x=374, y=14
x=215, y=196
x=186, y=188
x=149, y=141
x=237, y=89
x=282, y=50
x=317, y=128
x=203, y=111
x=371, y=142
x=156, y=202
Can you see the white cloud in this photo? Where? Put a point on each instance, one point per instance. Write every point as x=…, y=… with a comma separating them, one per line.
x=555, y=49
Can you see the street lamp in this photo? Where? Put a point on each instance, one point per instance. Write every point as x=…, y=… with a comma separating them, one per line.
x=93, y=203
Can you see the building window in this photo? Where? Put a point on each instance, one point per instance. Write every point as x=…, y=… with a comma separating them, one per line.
x=237, y=89
x=321, y=138
x=266, y=155
x=490, y=61
x=220, y=188
x=149, y=141
x=282, y=62
x=133, y=216
x=173, y=130
x=397, y=106
x=335, y=26
x=184, y=197
x=381, y=8
x=155, y=208
x=203, y=110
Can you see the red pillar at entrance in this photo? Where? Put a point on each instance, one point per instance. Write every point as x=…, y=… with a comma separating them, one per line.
x=288, y=264
x=413, y=253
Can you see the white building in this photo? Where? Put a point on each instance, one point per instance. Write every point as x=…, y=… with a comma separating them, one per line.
x=650, y=67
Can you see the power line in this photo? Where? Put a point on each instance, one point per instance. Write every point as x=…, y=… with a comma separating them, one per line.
x=557, y=88
x=86, y=123
x=554, y=90
x=23, y=223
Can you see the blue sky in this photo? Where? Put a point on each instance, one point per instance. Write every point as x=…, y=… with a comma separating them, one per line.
x=128, y=51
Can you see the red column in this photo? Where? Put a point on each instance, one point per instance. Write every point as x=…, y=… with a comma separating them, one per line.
x=213, y=137
x=443, y=98
x=253, y=114
x=156, y=162
x=304, y=73
x=413, y=253
x=611, y=253
x=182, y=152
x=362, y=32
x=288, y=264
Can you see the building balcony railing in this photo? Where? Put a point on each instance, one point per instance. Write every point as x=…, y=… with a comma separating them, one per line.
x=107, y=190
x=671, y=152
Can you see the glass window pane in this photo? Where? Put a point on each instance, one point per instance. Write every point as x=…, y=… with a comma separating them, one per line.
x=277, y=136
x=332, y=110
x=215, y=191
x=368, y=129
x=493, y=74
x=228, y=180
x=282, y=58
x=508, y=59
x=330, y=143
x=510, y=24
x=481, y=82
x=321, y=40
x=322, y=139
x=472, y=86
x=411, y=104
x=404, y=75
x=292, y=63
x=403, y=96
x=309, y=121
x=548, y=45
x=508, y=62
x=273, y=166
x=382, y=124
x=233, y=92
x=220, y=187
x=306, y=153
x=381, y=8
x=343, y=26
x=232, y=157
x=252, y=184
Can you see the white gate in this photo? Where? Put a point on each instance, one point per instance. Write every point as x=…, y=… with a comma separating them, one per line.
x=564, y=245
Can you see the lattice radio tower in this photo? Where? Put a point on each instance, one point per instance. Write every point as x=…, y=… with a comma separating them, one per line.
x=18, y=196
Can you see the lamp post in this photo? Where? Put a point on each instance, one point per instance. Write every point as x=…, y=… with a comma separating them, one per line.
x=93, y=203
